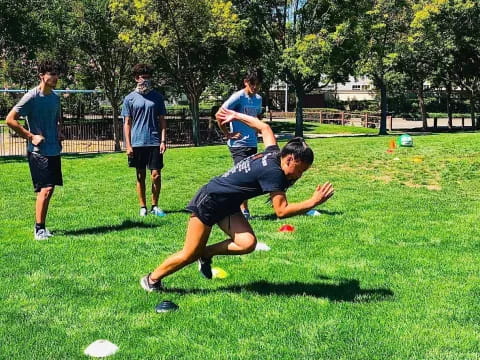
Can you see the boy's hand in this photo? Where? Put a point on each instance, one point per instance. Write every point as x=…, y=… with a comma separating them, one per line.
x=322, y=193
x=37, y=139
x=226, y=115
x=233, y=135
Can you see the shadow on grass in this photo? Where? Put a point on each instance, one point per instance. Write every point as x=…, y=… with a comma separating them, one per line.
x=127, y=224
x=348, y=290
x=13, y=159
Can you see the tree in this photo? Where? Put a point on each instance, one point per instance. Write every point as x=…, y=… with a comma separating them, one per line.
x=417, y=58
x=20, y=26
x=189, y=40
x=313, y=40
x=383, y=26
x=109, y=59
x=454, y=26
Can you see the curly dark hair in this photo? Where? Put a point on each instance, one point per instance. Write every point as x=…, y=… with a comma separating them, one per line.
x=49, y=66
x=254, y=75
x=142, y=69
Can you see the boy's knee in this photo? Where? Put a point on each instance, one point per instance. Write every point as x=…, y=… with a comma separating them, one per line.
x=47, y=191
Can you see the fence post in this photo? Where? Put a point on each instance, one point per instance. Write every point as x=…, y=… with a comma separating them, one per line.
x=366, y=120
x=343, y=118
x=463, y=123
x=271, y=116
x=321, y=120
x=391, y=122
x=435, y=122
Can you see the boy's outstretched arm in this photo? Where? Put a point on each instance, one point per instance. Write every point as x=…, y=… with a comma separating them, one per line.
x=284, y=209
x=225, y=116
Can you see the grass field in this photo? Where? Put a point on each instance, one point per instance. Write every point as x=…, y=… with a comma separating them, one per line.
x=317, y=128
x=390, y=269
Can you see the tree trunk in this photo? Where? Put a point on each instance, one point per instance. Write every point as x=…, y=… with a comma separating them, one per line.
x=472, y=111
x=116, y=126
x=421, y=103
x=383, y=108
x=449, y=105
x=476, y=124
x=193, y=103
x=299, y=97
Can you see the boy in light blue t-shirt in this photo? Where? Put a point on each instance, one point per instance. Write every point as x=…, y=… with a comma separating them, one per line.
x=242, y=139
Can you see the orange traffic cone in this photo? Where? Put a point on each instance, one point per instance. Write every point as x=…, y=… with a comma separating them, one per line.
x=391, y=146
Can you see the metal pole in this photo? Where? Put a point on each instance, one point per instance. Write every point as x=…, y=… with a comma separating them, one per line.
x=286, y=96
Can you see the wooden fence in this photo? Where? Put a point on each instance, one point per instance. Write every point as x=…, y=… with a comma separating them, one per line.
x=336, y=118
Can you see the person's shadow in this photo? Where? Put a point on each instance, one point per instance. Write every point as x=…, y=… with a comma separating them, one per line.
x=347, y=290
x=126, y=224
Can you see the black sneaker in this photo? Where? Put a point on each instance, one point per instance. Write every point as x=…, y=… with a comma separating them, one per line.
x=149, y=286
x=205, y=267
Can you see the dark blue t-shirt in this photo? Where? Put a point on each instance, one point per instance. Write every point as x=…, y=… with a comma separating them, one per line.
x=144, y=110
x=256, y=175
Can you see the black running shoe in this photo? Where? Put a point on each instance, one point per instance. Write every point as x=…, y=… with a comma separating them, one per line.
x=205, y=267
x=149, y=286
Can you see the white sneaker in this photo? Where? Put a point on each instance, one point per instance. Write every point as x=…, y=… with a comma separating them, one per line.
x=47, y=232
x=157, y=211
x=41, y=234
x=143, y=211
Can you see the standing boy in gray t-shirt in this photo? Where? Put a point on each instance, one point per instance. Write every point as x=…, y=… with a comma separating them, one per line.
x=242, y=139
x=145, y=135
x=41, y=106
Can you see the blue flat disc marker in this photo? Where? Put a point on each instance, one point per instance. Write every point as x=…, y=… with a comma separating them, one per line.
x=166, y=306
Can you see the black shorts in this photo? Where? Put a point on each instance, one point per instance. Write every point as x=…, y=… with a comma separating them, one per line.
x=46, y=171
x=240, y=153
x=208, y=209
x=148, y=157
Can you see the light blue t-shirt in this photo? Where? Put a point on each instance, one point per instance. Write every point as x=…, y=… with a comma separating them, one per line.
x=43, y=113
x=249, y=105
x=144, y=110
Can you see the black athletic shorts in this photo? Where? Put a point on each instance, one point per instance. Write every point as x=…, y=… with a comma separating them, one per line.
x=208, y=209
x=146, y=157
x=240, y=153
x=46, y=171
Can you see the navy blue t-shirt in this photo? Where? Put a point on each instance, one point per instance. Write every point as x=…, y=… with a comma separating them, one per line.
x=256, y=175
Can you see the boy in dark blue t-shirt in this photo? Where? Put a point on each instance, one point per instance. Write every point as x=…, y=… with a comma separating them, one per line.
x=218, y=202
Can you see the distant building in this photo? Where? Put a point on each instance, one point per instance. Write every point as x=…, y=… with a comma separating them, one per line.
x=355, y=89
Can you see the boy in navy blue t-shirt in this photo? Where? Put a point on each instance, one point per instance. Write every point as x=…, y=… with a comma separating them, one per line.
x=218, y=202
x=145, y=130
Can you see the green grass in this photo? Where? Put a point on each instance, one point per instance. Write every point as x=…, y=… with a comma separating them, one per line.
x=388, y=271
x=317, y=128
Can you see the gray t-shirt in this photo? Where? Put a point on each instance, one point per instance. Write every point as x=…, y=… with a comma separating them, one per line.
x=250, y=105
x=144, y=109
x=43, y=113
